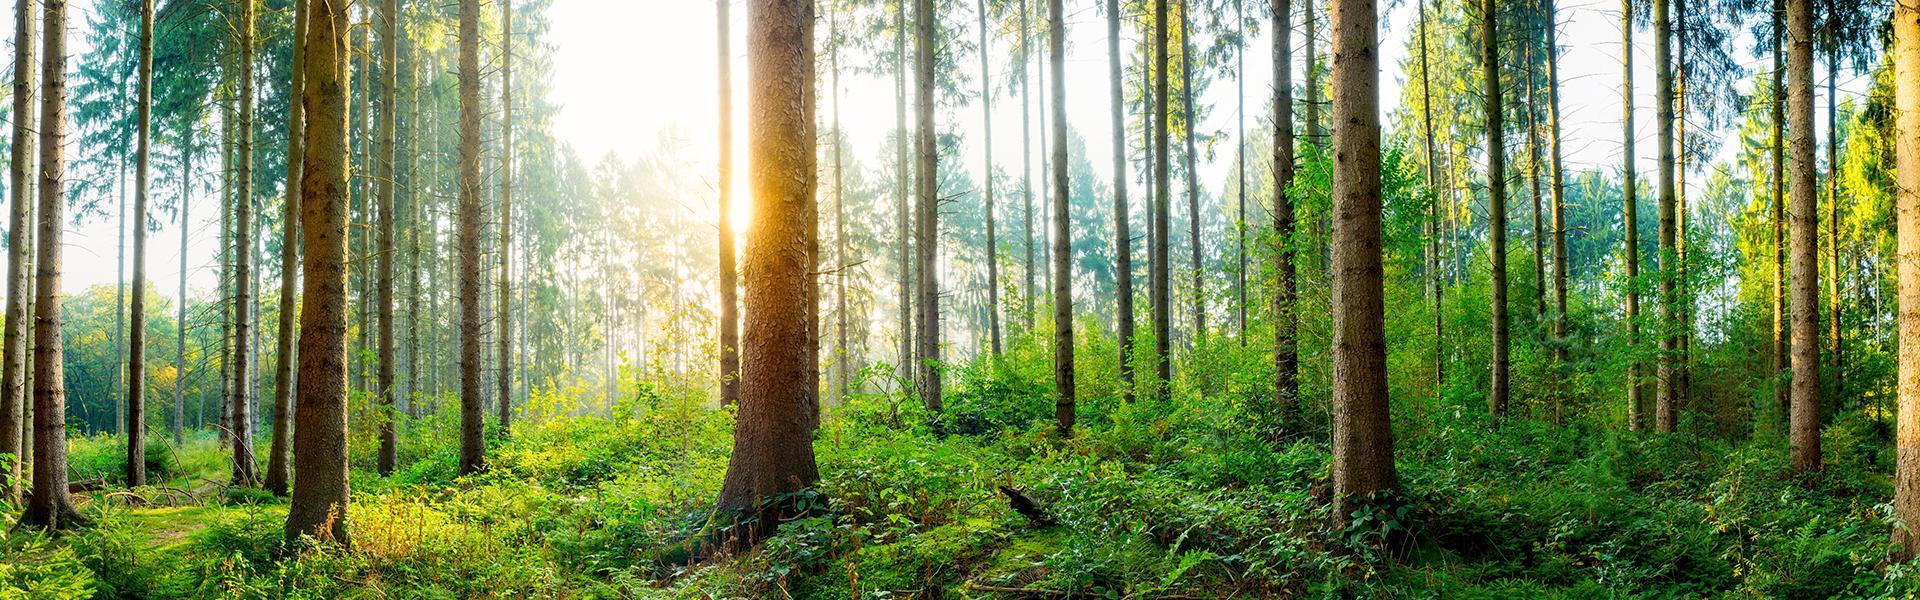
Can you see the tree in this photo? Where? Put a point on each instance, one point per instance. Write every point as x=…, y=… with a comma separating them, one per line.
x=1906, y=68
x=1193, y=183
x=17, y=344
x=902, y=180
x=384, y=161
x=244, y=473
x=50, y=505
x=1497, y=394
x=772, y=442
x=926, y=209
x=1122, y=233
x=1286, y=357
x=1779, y=187
x=729, y=279
x=993, y=248
x=1636, y=403
x=1434, y=213
x=1161, y=295
x=1666, y=402
x=1026, y=157
x=1558, y=192
x=1362, y=423
x=137, y=323
x=320, y=488
x=1062, y=236
x=1806, y=241
x=473, y=449
x=280, y=454
x=504, y=306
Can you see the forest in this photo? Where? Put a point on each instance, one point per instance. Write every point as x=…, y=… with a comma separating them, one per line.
x=1247, y=299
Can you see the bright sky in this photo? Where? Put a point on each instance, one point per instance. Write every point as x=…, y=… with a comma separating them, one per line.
x=628, y=70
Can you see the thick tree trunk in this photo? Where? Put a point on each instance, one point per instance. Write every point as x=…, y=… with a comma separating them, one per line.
x=1122, y=233
x=1906, y=66
x=1362, y=423
x=926, y=206
x=244, y=472
x=14, y=425
x=320, y=488
x=137, y=310
x=503, y=305
x=1806, y=240
x=993, y=247
x=772, y=442
x=50, y=506
x=384, y=159
x=472, y=447
x=1497, y=393
x=1630, y=191
x=1161, y=297
x=729, y=275
x=1666, y=405
x=1063, y=383
x=280, y=454
x=1286, y=357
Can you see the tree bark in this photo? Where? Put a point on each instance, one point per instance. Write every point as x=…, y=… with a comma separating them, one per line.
x=1286, y=357
x=473, y=449
x=1063, y=383
x=729, y=275
x=1497, y=394
x=1806, y=240
x=1630, y=192
x=1362, y=422
x=1193, y=180
x=1434, y=213
x=1558, y=192
x=909, y=370
x=926, y=208
x=1666, y=405
x=993, y=247
x=503, y=306
x=1123, y=234
x=1161, y=296
x=1906, y=66
x=244, y=472
x=18, y=345
x=1779, y=221
x=137, y=310
x=1834, y=299
x=187, y=151
x=50, y=506
x=384, y=159
x=280, y=454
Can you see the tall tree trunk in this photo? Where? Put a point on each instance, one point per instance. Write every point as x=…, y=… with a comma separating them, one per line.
x=1122, y=234
x=1162, y=293
x=503, y=307
x=902, y=178
x=50, y=506
x=1558, y=192
x=384, y=159
x=1834, y=341
x=472, y=447
x=1240, y=169
x=1497, y=394
x=729, y=275
x=1806, y=240
x=137, y=329
x=1630, y=192
x=1683, y=320
x=280, y=454
x=320, y=488
x=1779, y=221
x=1286, y=357
x=1666, y=405
x=993, y=247
x=841, y=357
x=14, y=426
x=1906, y=67
x=1316, y=136
x=243, y=468
x=772, y=449
x=1362, y=421
x=1026, y=157
x=1063, y=383
x=926, y=208
x=1434, y=213
x=187, y=150
x=1193, y=180
x=1532, y=93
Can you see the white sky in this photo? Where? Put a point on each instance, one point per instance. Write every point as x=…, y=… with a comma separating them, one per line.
x=629, y=69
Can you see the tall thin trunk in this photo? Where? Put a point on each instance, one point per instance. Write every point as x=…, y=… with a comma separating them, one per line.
x=280, y=454
x=926, y=209
x=503, y=307
x=841, y=356
x=908, y=369
x=137, y=322
x=1161, y=297
x=1666, y=405
x=224, y=298
x=1362, y=420
x=1310, y=65
x=384, y=159
x=993, y=246
x=1240, y=169
x=187, y=149
x=320, y=488
x=1286, y=357
x=1532, y=93
x=729, y=275
x=1497, y=393
x=1063, y=381
x=1779, y=221
x=51, y=506
x=1122, y=234
x=472, y=446
x=1193, y=179
x=1806, y=240
x=14, y=426
x=243, y=468
x=1630, y=191
x=1558, y=192
x=1433, y=211
x=1026, y=157
x=1906, y=66
x=1834, y=341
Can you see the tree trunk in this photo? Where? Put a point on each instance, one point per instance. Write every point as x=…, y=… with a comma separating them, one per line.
x=320, y=488
x=1630, y=192
x=1779, y=221
x=187, y=151
x=729, y=276
x=1906, y=66
x=1193, y=180
x=1240, y=169
x=1310, y=64
x=1063, y=383
x=1026, y=158
x=1162, y=293
x=1362, y=423
x=50, y=506
x=993, y=247
x=1533, y=180
x=503, y=306
x=1496, y=202
x=137, y=310
x=1558, y=192
x=1433, y=181
x=472, y=447
x=772, y=443
x=1806, y=240
x=280, y=455
x=1666, y=406
x=18, y=346
x=926, y=209
x=1834, y=340
x=1123, y=235
x=384, y=159
x=243, y=468
x=908, y=369
x=1286, y=357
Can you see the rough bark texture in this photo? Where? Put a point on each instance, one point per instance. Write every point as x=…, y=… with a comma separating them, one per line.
x=1498, y=390
x=1666, y=405
x=1906, y=66
x=1161, y=297
x=772, y=442
x=1636, y=400
x=17, y=344
x=280, y=453
x=729, y=275
x=320, y=489
x=503, y=306
x=926, y=208
x=50, y=506
x=244, y=472
x=1362, y=424
x=1123, y=235
x=1286, y=356
x=1806, y=241
x=472, y=447
x=137, y=308
x=1063, y=388
x=385, y=157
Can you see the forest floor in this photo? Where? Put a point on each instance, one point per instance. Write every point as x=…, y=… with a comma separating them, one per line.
x=1186, y=498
